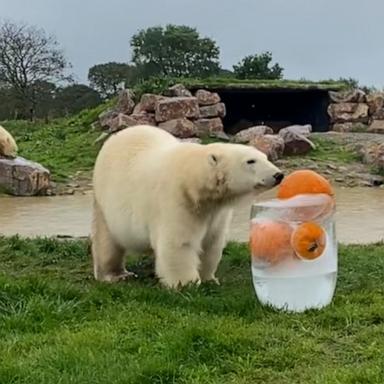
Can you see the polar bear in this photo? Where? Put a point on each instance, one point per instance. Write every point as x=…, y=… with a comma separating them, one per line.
x=155, y=193
x=8, y=147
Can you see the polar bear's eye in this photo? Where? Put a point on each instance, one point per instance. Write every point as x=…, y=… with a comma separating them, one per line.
x=252, y=161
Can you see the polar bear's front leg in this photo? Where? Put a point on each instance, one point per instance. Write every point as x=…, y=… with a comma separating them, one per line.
x=213, y=245
x=177, y=264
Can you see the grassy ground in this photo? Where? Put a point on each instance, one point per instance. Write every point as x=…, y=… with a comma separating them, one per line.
x=64, y=146
x=59, y=326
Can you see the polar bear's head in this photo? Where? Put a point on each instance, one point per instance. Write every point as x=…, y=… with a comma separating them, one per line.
x=240, y=169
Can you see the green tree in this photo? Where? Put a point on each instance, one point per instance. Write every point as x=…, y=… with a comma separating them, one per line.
x=28, y=56
x=105, y=78
x=174, y=51
x=258, y=67
x=74, y=98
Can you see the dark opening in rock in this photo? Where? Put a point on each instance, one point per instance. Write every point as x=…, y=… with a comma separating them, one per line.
x=276, y=108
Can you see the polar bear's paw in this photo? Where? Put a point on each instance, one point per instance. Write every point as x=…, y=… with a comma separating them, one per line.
x=123, y=276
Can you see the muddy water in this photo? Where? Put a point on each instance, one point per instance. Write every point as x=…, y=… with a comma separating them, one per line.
x=359, y=218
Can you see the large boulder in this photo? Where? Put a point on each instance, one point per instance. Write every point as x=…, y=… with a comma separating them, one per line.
x=246, y=135
x=296, y=141
x=348, y=112
x=376, y=126
x=207, y=98
x=271, y=145
x=122, y=121
x=349, y=96
x=182, y=128
x=125, y=102
x=304, y=130
x=177, y=107
x=375, y=103
x=106, y=118
x=148, y=103
x=179, y=90
x=21, y=177
x=215, y=110
x=373, y=154
x=209, y=127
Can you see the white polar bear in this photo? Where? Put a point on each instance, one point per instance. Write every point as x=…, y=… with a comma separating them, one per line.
x=155, y=193
x=8, y=147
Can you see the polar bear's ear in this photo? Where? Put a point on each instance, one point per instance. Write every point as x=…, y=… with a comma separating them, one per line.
x=213, y=159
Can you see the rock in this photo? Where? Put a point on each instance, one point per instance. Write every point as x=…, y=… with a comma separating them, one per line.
x=215, y=110
x=177, y=107
x=350, y=127
x=246, y=135
x=295, y=143
x=350, y=96
x=195, y=140
x=106, y=118
x=375, y=103
x=206, y=127
x=373, y=155
x=182, y=128
x=21, y=177
x=348, y=112
x=125, y=102
x=299, y=129
x=148, y=102
x=178, y=90
x=220, y=135
x=271, y=145
x=376, y=126
x=207, y=98
x=122, y=121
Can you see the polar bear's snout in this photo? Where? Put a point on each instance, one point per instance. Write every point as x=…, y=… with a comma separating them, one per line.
x=278, y=177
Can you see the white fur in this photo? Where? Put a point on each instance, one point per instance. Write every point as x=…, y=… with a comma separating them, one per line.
x=154, y=193
x=8, y=145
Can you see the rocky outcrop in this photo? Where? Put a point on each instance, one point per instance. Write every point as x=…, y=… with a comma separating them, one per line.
x=207, y=98
x=122, y=121
x=295, y=140
x=176, y=108
x=373, y=155
x=125, y=102
x=271, y=145
x=21, y=177
x=247, y=135
x=355, y=111
x=182, y=128
x=177, y=112
x=215, y=110
x=348, y=112
x=349, y=96
x=179, y=90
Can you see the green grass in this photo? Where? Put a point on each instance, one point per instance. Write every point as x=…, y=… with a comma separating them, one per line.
x=57, y=325
x=64, y=146
x=331, y=151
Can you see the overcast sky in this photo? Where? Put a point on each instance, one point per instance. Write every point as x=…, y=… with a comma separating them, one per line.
x=314, y=39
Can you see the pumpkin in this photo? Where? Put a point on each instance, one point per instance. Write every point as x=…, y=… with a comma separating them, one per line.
x=303, y=181
x=308, y=207
x=308, y=241
x=270, y=241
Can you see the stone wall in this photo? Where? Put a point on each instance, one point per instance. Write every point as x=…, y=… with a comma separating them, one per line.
x=357, y=111
x=184, y=115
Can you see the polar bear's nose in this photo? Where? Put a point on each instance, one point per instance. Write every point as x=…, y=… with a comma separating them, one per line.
x=278, y=177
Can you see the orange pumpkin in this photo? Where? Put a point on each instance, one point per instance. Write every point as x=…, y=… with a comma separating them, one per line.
x=303, y=181
x=270, y=241
x=308, y=241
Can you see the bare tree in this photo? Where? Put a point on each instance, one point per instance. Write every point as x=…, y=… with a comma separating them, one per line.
x=29, y=57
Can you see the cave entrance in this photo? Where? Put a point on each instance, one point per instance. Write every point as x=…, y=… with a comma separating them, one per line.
x=276, y=108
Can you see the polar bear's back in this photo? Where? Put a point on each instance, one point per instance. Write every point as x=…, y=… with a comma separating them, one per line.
x=8, y=146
